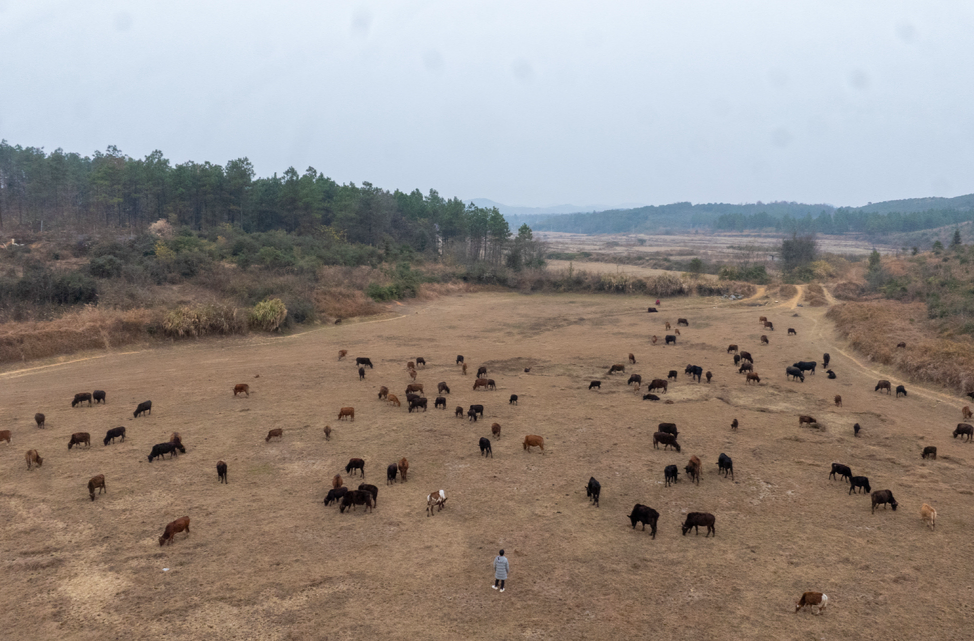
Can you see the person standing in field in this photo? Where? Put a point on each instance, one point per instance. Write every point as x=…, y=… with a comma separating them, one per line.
x=501, y=569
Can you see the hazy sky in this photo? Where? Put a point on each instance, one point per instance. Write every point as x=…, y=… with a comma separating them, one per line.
x=527, y=103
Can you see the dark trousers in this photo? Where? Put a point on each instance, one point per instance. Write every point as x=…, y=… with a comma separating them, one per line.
x=499, y=582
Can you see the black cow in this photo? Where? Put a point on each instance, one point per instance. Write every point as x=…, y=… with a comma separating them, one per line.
x=593, y=490
x=221, y=472
x=673, y=374
x=479, y=409
x=859, y=483
x=364, y=361
x=115, y=432
x=595, y=384
x=356, y=497
x=459, y=359
x=745, y=367
x=355, y=464
x=696, y=519
x=440, y=401
x=669, y=428
x=485, y=448
x=746, y=356
x=805, y=366
x=670, y=338
x=695, y=371
x=963, y=429
x=513, y=400
x=143, y=408
x=737, y=360
x=472, y=414
x=671, y=474
x=725, y=465
x=391, y=473
x=651, y=310
x=336, y=495
x=825, y=359
x=361, y=373
x=666, y=439
x=81, y=398
x=830, y=373
x=442, y=388
x=650, y=397
x=645, y=515
x=99, y=396
x=883, y=497
x=420, y=402
x=161, y=449
x=929, y=450
x=900, y=390
x=794, y=372
x=840, y=470
x=371, y=489
x=635, y=378
x=855, y=429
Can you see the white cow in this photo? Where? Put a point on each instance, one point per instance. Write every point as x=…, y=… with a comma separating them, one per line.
x=813, y=600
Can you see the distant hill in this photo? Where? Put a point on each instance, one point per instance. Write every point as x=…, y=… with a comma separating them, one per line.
x=515, y=210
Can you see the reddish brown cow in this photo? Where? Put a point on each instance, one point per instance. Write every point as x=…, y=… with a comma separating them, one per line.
x=632, y=359
x=96, y=482
x=838, y=401
x=277, y=431
x=495, y=429
x=806, y=419
x=658, y=383
x=336, y=481
x=5, y=435
x=764, y=339
x=342, y=353
x=383, y=392
x=480, y=382
x=78, y=438
x=415, y=387
x=394, y=400
x=966, y=411
x=533, y=440
x=242, y=388
x=327, y=432
x=403, y=468
x=346, y=411
x=33, y=458
x=179, y=525
x=752, y=376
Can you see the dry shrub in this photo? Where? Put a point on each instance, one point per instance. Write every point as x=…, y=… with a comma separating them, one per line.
x=815, y=296
x=430, y=291
x=267, y=315
x=203, y=319
x=339, y=302
x=90, y=328
x=725, y=288
x=786, y=292
x=847, y=291
x=875, y=328
x=338, y=277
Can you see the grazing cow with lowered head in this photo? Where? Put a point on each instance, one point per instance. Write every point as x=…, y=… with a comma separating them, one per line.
x=696, y=519
x=883, y=497
x=901, y=345
x=361, y=373
x=645, y=515
x=179, y=525
x=78, y=438
x=96, y=482
x=221, y=471
x=348, y=412
x=356, y=497
x=737, y=360
x=695, y=371
x=442, y=388
x=803, y=418
x=495, y=429
x=383, y=392
x=472, y=415
x=336, y=495
x=436, y=498
x=512, y=400
x=403, y=469
x=459, y=359
x=617, y=368
x=635, y=378
x=883, y=385
x=479, y=409
x=930, y=451
x=900, y=389
x=814, y=601
x=962, y=430
x=928, y=515
x=393, y=400
x=725, y=465
x=732, y=348
x=856, y=428
x=764, y=340
x=966, y=411
x=478, y=383
x=533, y=440
x=337, y=481
x=99, y=396
x=5, y=435
x=241, y=388
x=33, y=458
x=161, y=449
x=671, y=474
x=595, y=385
x=671, y=338
x=363, y=361
x=752, y=376
x=276, y=432
x=355, y=464
x=81, y=398
x=805, y=366
x=592, y=490
x=458, y=412
x=795, y=373
x=39, y=419
x=439, y=402
x=632, y=359
x=746, y=356
x=859, y=484
x=666, y=439
x=658, y=383
x=769, y=325
x=143, y=408
x=792, y=332
x=694, y=469
x=652, y=310
x=342, y=353
x=371, y=489
x=420, y=361
x=745, y=367
x=485, y=447
x=839, y=470
x=416, y=403
x=682, y=321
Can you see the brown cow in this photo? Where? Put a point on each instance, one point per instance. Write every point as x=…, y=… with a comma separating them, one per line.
x=342, y=353
x=764, y=339
x=838, y=401
x=495, y=429
x=39, y=419
x=99, y=482
x=658, y=383
x=33, y=458
x=480, y=382
x=346, y=411
x=174, y=528
x=327, y=432
x=410, y=365
x=394, y=400
x=654, y=339
x=458, y=413
x=732, y=348
x=966, y=411
x=415, y=387
x=694, y=469
x=763, y=319
x=277, y=431
x=883, y=385
x=632, y=359
x=617, y=368
x=682, y=321
x=677, y=331
x=814, y=600
x=412, y=374
x=383, y=392
x=403, y=468
x=78, y=438
x=242, y=388
x=769, y=325
x=533, y=441
x=5, y=435
x=734, y=424
x=752, y=376
x=336, y=481
x=464, y=369
x=903, y=345
x=709, y=375
x=667, y=325
x=806, y=419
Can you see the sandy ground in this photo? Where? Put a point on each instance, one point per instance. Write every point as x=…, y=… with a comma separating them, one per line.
x=266, y=560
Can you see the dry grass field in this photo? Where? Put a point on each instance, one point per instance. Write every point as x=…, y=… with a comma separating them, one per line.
x=266, y=560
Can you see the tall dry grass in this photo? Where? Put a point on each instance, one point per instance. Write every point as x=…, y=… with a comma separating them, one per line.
x=90, y=328
x=815, y=296
x=875, y=328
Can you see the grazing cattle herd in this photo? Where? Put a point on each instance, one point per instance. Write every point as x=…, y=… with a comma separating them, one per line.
x=396, y=472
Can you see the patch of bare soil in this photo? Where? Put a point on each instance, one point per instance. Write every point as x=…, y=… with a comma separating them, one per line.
x=265, y=558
